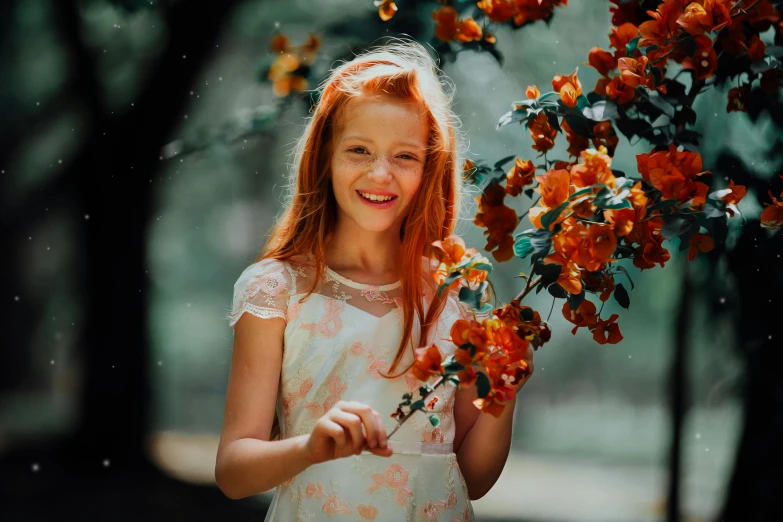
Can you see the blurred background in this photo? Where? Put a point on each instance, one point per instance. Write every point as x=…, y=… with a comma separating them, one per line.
x=144, y=155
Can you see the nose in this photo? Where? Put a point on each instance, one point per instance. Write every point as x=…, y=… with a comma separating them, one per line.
x=381, y=170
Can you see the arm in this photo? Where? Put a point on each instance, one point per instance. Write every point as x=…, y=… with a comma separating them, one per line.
x=481, y=442
x=247, y=462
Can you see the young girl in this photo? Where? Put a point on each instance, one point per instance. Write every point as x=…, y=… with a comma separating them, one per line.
x=326, y=320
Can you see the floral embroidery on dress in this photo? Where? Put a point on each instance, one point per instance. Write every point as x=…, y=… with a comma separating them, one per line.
x=335, y=351
x=367, y=512
x=434, y=435
x=292, y=398
x=333, y=505
x=372, y=293
x=330, y=323
x=396, y=478
x=336, y=391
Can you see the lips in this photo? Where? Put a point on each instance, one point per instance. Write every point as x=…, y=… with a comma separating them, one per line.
x=377, y=204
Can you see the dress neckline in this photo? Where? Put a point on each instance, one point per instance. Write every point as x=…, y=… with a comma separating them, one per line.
x=361, y=286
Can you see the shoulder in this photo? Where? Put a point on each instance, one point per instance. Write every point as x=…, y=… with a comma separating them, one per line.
x=268, y=275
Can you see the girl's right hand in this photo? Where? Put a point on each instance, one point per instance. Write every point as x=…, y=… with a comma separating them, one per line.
x=345, y=430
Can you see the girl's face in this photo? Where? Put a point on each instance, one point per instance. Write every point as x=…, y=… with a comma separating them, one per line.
x=379, y=149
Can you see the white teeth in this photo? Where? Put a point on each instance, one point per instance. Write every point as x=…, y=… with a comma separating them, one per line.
x=373, y=197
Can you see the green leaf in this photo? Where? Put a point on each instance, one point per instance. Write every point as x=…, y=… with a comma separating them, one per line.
x=499, y=164
x=664, y=203
x=582, y=102
x=447, y=282
x=630, y=47
x=608, y=200
x=482, y=384
x=523, y=247
x=675, y=226
x=555, y=290
x=549, y=217
x=452, y=367
x=472, y=297
x=434, y=420
x=622, y=269
x=418, y=405
x=601, y=111
x=580, y=192
x=621, y=296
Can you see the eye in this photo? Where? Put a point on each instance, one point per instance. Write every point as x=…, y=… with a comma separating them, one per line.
x=358, y=150
x=408, y=157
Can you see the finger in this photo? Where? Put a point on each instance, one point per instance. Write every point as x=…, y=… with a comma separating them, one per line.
x=336, y=432
x=367, y=415
x=352, y=423
x=382, y=440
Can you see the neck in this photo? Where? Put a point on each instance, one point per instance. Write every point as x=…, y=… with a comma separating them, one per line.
x=374, y=253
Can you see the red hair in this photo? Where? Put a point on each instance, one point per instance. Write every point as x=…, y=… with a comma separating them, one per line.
x=406, y=71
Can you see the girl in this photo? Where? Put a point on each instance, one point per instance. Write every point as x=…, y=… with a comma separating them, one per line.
x=325, y=316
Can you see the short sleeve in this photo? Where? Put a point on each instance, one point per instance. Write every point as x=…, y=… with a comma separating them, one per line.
x=262, y=290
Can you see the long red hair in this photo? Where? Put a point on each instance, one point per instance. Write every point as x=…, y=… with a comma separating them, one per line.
x=404, y=70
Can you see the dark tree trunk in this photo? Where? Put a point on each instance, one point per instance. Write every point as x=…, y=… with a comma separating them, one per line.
x=756, y=488
x=678, y=393
x=110, y=181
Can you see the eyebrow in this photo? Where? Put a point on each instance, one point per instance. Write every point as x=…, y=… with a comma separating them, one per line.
x=403, y=142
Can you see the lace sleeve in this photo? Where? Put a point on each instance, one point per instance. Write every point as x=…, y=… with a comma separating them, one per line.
x=262, y=290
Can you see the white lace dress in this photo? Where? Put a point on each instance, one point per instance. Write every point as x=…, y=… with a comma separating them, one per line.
x=335, y=344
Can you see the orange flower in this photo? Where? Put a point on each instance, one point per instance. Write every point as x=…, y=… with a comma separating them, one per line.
x=603, y=61
x=756, y=48
x=605, y=137
x=568, y=86
x=498, y=10
x=499, y=220
x=699, y=19
x=606, y=287
x=620, y=36
x=622, y=220
x=279, y=43
x=650, y=253
x=705, y=61
x=520, y=175
x=448, y=27
x=283, y=71
x=492, y=403
x=554, y=187
x=633, y=72
x=595, y=168
x=733, y=198
x=589, y=247
x=671, y=172
x=738, y=99
x=699, y=242
x=584, y=315
x=570, y=277
x=541, y=132
x=428, y=363
x=607, y=331
x=532, y=92
x=463, y=331
x=386, y=9
x=663, y=24
x=772, y=215
x=452, y=249
x=615, y=89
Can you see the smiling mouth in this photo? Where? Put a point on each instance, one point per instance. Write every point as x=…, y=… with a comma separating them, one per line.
x=376, y=201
